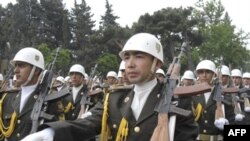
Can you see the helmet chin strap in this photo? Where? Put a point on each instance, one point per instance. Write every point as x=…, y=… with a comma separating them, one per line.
x=152, y=70
x=30, y=76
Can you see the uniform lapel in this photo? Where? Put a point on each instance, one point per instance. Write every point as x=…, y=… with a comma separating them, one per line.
x=29, y=104
x=16, y=103
x=126, y=106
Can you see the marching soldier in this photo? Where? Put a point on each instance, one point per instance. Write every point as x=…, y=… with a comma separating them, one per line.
x=188, y=78
x=16, y=106
x=210, y=127
x=131, y=111
x=160, y=75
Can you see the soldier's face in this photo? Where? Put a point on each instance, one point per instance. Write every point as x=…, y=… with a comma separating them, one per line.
x=205, y=75
x=76, y=79
x=138, y=67
x=22, y=72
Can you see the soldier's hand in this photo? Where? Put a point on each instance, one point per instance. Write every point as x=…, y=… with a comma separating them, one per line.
x=44, y=135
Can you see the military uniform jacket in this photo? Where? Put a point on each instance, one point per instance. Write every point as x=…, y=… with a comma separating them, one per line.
x=207, y=117
x=72, y=114
x=23, y=124
x=119, y=105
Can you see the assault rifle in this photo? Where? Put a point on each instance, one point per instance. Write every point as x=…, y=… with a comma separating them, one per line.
x=85, y=100
x=165, y=105
x=39, y=114
x=4, y=85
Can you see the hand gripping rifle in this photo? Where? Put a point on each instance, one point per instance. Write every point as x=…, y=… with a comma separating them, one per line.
x=39, y=114
x=165, y=106
x=86, y=98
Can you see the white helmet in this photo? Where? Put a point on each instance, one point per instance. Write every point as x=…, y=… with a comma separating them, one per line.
x=1, y=77
x=188, y=75
x=112, y=74
x=67, y=78
x=246, y=75
x=14, y=78
x=61, y=79
x=29, y=55
x=207, y=65
x=122, y=65
x=119, y=74
x=144, y=42
x=77, y=68
x=160, y=71
x=225, y=70
x=236, y=73
x=86, y=76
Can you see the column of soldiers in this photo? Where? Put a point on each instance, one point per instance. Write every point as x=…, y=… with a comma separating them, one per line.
x=124, y=107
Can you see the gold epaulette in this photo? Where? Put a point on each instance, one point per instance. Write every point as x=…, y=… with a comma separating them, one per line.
x=121, y=87
x=12, y=90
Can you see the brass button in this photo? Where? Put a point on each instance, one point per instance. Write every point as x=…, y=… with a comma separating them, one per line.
x=18, y=134
x=73, y=114
x=205, y=111
x=206, y=121
x=81, y=93
x=114, y=126
x=18, y=121
x=204, y=131
x=137, y=129
x=35, y=96
x=126, y=99
x=158, y=95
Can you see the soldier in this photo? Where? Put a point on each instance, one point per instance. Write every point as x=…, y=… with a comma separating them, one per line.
x=160, y=75
x=16, y=106
x=210, y=127
x=188, y=78
x=111, y=78
x=237, y=78
x=246, y=80
x=59, y=83
x=131, y=110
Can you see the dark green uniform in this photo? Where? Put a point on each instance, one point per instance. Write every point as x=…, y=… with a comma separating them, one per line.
x=119, y=106
x=22, y=122
x=207, y=116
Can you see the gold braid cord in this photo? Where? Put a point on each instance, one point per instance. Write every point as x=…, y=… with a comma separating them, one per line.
x=197, y=113
x=105, y=133
x=6, y=131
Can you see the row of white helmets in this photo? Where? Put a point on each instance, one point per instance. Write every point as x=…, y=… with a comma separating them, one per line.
x=209, y=65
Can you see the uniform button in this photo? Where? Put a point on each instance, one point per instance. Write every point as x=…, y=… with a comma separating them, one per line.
x=18, y=134
x=35, y=96
x=137, y=129
x=204, y=131
x=114, y=126
x=206, y=121
x=205, y=111
x=73, y=114
x=126, y=99
x=18, y=121
x=158, y=95
x=81, y=93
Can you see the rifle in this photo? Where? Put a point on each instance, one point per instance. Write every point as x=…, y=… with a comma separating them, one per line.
x=85, y=100
x=165, y=105
x=44, y=88
x=6, y=79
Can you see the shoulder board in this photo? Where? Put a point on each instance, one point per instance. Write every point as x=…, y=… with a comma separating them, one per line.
x=121, y=87
x=13, y=90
